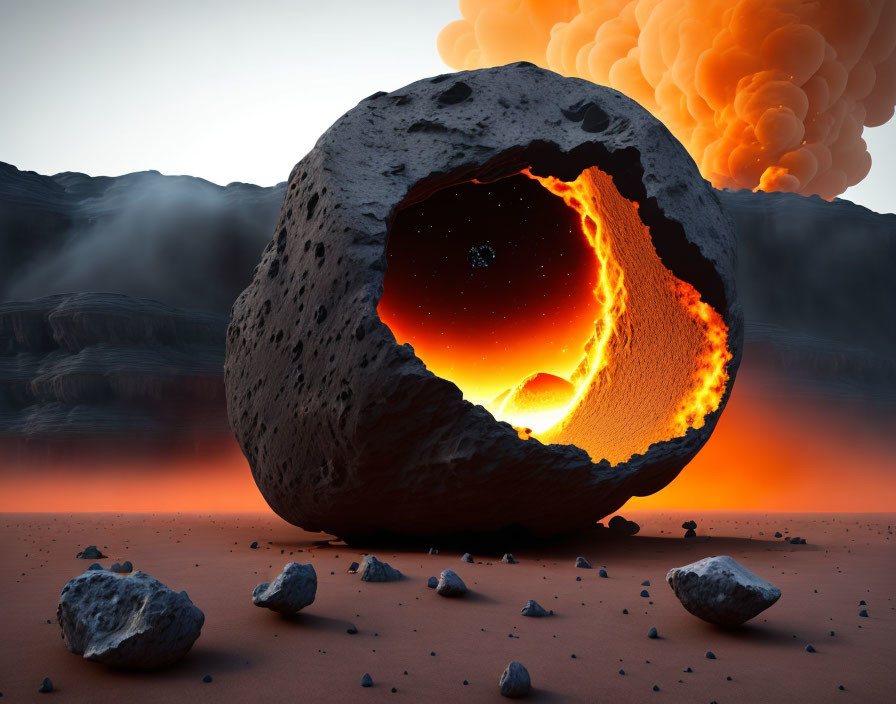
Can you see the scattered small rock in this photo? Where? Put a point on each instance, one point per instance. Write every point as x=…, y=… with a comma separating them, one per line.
x=352, y=630
x=372, y=570
x=509, y=559
x=46, y=686
x=602, y=573
x=535, y=610
x=450, y=584
x=863, y=613
x=778, y=534
x=254, y=545
x=645, y=593
x=582, y=563
x=293, y=589
x=95, y=566
x=467, y=557
x=515, y=682
x=367, y=680
x=652, y=633
x=689, y=525
x=690, y=534
x=432, y=583
x=207, y=679
x=622, y=526
x=810, y=649
x=721, y=591
x=91, y=553
x=645, y=583
x=353, y=568
x=123, y=568
x=433, y=551
x=710, y=655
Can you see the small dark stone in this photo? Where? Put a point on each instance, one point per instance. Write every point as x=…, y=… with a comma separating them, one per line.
x=432, y=583
x=534, y=610
x=207, y=679
x=90, y=553
x=710, y=655
x=95, y=566
x=578, y=579
x=862, y=603
x=687, y=669
x=645, y=583
x=689, y=525
x=394, y=690
x=690, y=534
x=367, y=680
x=352, y=630
x=467, y=557
x=652, y=633
x=810, y=649
x=841, y=687
x=46, y=686
x=656, y=688
x=582, y=563
x=625, y=611
x=863, y=613
x=645, y=593
x=123, y=568
x=254, y=545
x=457, y=93
x=509, y=559
x=602, y=573
x=778, y=534
x=353, y=568
x=621, y=672
x=622, y=526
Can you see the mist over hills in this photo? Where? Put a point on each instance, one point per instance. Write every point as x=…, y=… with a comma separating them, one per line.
x=815, y=279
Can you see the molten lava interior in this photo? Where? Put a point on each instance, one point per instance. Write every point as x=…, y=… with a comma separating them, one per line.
x=545, y=301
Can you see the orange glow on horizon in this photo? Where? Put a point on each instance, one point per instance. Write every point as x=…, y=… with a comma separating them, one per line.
x=769, y=94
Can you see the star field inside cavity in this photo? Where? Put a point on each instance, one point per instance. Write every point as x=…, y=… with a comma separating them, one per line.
x=535, y=291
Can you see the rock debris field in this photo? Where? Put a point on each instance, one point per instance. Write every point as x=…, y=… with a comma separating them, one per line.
x=813, y=644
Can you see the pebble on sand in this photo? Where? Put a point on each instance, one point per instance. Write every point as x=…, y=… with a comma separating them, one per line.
x=509, y=559
x=582, y=563
x=90, y=553
x=467, y=557
x=450, y=584
x=432, y=582
x=535, y=610
x=46, y=686
x=710, y=655
x=652, y=633
x=367, y=680
x=515, y=682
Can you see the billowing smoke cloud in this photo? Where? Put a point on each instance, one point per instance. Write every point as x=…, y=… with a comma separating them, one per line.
x=765, y=94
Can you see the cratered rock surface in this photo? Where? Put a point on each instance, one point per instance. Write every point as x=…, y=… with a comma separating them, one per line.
x=721, y=590
x=133, y=621
x=345, y=430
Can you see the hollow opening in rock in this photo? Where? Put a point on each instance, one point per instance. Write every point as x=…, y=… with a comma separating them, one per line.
x=545, y=301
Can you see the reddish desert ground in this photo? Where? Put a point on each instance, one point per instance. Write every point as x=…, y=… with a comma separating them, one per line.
x=421, y=647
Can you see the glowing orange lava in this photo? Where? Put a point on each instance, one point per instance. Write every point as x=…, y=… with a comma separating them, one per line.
x=648, y=369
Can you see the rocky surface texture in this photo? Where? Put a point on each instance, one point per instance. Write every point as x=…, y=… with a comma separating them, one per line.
x=133, y=621
x=329, y=410
x=722, y=591
x=293, y=589
x=109, y=365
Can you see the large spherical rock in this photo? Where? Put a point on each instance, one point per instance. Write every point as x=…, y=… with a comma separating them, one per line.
x=347, y=431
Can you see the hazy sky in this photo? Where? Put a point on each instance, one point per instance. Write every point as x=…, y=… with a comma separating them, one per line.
x=230, y=90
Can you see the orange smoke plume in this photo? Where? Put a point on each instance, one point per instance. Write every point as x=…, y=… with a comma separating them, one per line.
x=764, y=94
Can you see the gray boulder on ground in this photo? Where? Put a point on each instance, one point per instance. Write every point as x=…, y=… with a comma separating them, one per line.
x=509, y=559
x=721, y=591
x=450, y=584
x=515, y=682
x=122, y=568
x=133, y=622
x=372, y=570
x=582, y=563
x=293, y=589
x=535, y=610
x=90, y=553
